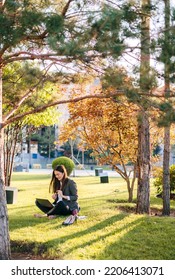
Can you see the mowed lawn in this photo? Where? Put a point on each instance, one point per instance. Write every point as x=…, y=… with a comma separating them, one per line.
x=110, y=231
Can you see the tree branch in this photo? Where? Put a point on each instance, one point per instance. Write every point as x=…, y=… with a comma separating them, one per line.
x=66, y=7
x=42, y=108
x=74, y=100
x=31, y=56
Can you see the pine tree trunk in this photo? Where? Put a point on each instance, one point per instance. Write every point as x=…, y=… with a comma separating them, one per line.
x=166, y=173
x=4, y=229
x=166, y=152
x=143, y=190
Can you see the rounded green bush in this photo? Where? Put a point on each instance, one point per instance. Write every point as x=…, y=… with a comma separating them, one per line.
x=158, y=181
x=67, y=162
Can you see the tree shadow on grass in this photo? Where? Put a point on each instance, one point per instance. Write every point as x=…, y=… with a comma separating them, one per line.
x=21, y=220
x=140, y=244
x=26, y=250
x=21, y=246
x=29, y=221
x=103, y=237
x=90, y=230
x=132, y=241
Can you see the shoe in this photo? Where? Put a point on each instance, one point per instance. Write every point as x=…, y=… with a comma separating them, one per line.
x=70, y=220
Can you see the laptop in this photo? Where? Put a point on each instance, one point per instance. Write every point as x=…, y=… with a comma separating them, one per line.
x=45, y=202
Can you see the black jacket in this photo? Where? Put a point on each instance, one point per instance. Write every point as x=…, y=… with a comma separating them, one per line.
x=70, y=189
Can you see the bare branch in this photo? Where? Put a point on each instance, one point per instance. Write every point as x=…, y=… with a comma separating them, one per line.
x=66, y=7
x=36, y=37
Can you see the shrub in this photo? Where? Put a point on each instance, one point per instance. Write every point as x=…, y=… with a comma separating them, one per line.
x=158, y=181
x=67, y=162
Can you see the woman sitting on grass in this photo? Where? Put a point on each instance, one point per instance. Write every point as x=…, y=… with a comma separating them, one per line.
x=64, y=194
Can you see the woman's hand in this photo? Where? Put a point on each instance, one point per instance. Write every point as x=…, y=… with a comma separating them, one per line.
x=60, y=193
x=54, y=196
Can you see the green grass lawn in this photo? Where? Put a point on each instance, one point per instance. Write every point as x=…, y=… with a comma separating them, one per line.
x=111, y=230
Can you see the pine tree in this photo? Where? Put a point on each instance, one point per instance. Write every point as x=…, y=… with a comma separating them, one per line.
x=166, y=154
x=143, y=192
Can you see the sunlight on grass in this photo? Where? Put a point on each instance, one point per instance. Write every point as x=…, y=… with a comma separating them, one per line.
x=111, y=229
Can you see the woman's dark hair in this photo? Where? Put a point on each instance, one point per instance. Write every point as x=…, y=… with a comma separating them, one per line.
x=55, y=183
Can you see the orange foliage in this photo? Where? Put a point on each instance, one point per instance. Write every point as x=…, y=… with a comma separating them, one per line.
x=107, y=126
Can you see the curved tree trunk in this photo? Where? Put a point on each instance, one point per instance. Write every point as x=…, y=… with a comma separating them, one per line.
x=4, y=228
x=11, y=138
x=4, y=231
x=126, y=177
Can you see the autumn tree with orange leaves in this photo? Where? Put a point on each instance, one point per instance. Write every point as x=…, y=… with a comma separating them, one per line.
x=109, y=128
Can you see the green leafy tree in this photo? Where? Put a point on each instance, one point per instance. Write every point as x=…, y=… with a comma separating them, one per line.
x=17, y=79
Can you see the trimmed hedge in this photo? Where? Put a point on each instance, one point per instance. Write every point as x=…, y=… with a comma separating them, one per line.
x=67, y=162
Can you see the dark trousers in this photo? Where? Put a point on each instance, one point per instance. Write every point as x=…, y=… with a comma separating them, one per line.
x=59, y=209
